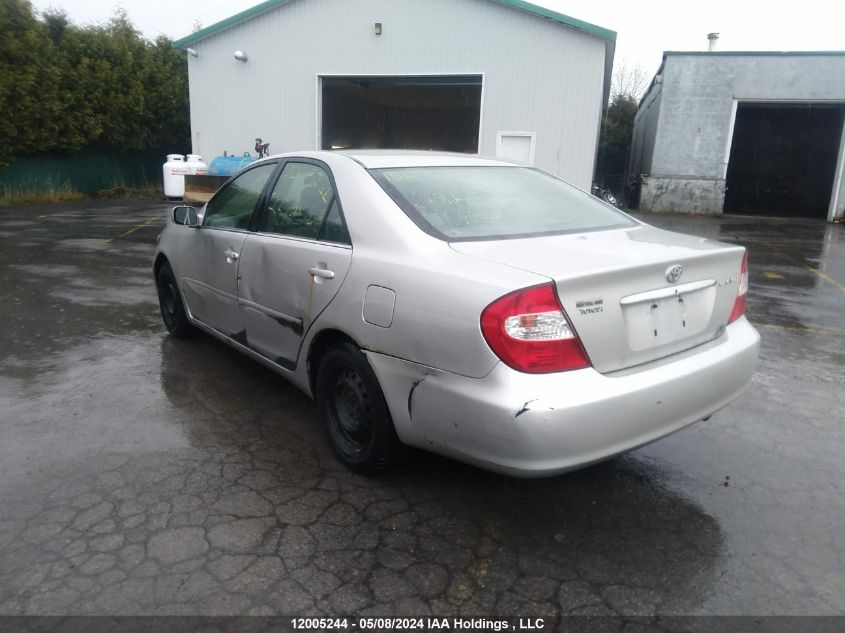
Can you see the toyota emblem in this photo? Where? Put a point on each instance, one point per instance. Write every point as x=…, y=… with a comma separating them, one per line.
x=673, y=273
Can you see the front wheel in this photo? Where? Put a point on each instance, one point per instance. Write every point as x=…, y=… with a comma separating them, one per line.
x=354, y=412
x=170, y=303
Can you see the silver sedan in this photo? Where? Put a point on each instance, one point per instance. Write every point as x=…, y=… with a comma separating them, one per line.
x=478, y=309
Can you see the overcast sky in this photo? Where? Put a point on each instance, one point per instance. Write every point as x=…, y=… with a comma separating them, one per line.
x=645, y=28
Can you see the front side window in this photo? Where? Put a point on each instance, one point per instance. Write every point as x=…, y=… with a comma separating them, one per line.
x=232, y=206
x=470, y=203
x=303, y=204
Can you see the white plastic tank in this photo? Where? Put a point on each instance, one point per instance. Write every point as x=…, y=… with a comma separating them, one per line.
x=196, y=165
x=175, y=170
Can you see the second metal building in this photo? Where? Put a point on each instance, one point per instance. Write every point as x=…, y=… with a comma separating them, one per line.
x=745, y=133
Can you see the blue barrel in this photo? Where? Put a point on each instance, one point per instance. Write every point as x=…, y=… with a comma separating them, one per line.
x=228, y=165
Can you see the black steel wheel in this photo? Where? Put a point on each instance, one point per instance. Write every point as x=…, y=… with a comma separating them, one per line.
x=354, y=412
x=170, y=303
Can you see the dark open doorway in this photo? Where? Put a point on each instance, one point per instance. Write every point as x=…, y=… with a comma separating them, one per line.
x=439, y=113
x=783, y=159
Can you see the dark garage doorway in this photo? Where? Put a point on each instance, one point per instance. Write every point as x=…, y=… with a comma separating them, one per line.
x=438, y=112
x=783, y=159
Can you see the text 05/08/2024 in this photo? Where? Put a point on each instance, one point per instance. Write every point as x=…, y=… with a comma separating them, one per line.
x=418, y=624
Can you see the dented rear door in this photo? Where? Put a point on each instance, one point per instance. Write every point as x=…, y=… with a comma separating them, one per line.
x=294, y=265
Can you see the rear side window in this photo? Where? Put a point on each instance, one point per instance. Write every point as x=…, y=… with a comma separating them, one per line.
x=232, y=206
x=471, y=203
x=334, y=228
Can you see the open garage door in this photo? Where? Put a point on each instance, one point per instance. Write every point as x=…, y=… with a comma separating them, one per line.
x=783, y=159
x=437, y=113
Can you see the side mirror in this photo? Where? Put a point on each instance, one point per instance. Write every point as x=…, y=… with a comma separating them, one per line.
x=186, y=216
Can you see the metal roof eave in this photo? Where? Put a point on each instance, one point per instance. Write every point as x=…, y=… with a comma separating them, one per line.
x=753, y=53
x=222, y=25
x=560, y=18
x=521, y=5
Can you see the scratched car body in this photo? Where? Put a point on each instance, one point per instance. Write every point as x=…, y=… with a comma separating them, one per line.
x=482, y=310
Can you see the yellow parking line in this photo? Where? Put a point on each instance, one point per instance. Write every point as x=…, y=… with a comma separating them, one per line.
x=140, y=226
x=132, y=230
x=771, y=275
x=828, y=278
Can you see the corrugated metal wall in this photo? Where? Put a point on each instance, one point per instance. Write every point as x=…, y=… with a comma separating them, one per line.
x=539, y=76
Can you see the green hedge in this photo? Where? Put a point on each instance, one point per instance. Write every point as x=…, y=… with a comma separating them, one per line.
x=65, y=88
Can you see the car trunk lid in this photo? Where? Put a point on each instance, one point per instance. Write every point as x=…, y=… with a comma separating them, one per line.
x=632, y=295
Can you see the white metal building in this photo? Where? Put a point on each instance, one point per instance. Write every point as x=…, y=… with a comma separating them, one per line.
x=760, y=132
x=495, y=77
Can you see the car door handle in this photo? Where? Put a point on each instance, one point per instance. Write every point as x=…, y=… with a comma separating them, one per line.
x=321, y=272
x=231, y=255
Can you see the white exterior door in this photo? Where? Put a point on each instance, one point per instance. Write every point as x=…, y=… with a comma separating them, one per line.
x=517, y=147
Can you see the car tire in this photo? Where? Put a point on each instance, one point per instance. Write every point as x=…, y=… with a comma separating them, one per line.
x=354, y=412
x=170, y=302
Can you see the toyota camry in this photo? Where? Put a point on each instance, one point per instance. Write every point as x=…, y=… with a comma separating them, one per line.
x=482, y=310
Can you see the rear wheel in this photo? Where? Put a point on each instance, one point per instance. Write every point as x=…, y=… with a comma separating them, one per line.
x=170, y=303
x=354, y=412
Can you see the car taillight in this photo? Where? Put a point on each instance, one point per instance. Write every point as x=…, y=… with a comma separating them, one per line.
x=528, y=330
x=742, y=292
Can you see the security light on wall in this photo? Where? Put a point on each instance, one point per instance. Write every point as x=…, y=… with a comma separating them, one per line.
x=377, y=28
x=192, y=52
x=241, y=56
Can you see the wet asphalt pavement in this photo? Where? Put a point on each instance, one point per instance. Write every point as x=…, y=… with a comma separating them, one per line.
x=140, y=474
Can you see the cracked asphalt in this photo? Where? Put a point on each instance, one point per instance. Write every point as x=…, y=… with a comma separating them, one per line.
x=145, y=475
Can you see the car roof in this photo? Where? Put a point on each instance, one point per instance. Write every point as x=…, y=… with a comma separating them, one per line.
x=385, y=158
x=377, y=159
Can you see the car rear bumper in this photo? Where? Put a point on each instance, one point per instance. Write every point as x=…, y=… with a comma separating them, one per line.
x=538, y=425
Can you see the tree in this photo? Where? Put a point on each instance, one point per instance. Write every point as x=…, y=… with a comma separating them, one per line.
x=167, y=121
x=628, y=79
x=28, y=96
x=627, y=86
x=64, y=87
x=617, y=129
x=57, y=22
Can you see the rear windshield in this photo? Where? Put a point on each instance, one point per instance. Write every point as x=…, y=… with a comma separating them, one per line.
x=476, y=203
